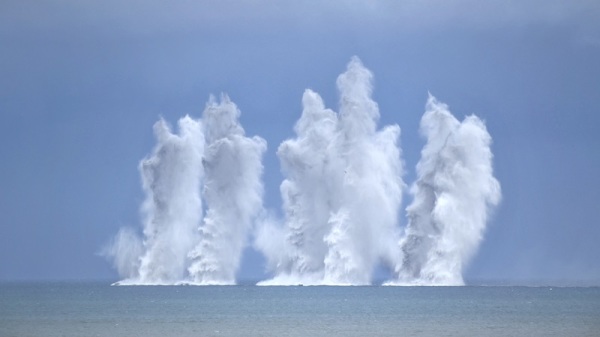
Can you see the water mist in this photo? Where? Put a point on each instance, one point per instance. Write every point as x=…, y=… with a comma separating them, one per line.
x=452, y=198
x=208, y=160
x=342, y=191
x=342, y=195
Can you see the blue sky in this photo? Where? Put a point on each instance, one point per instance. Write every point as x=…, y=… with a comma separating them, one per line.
x=81, y=84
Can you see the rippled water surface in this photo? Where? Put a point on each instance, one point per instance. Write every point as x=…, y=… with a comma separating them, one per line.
x=92, y=309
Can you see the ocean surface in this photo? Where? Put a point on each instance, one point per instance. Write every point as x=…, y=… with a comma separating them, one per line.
x=94, y=309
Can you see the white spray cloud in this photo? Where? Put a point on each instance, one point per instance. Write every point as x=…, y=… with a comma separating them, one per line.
x=124, y=251
x=453, y=196
x=172, y=209
x=342, y=190
x=307, y=161
x=341, y=197
x=233, y=194
x=208, y=159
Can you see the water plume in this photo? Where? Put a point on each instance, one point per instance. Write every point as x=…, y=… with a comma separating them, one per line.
x=341, y=197
x=453, y=196
x=232, y=192
x=171, y=179
x=342, y=190
x=209, y=159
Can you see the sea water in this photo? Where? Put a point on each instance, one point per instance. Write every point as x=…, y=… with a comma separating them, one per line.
x=93, y=309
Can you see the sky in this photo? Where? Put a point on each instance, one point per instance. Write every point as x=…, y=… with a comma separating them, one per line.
x=82, y=83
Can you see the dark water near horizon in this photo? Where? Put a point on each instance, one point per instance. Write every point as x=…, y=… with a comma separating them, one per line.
x=93, y=309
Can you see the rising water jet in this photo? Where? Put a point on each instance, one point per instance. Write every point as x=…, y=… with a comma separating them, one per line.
x=342, y=196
